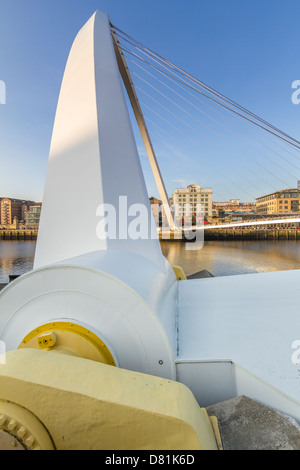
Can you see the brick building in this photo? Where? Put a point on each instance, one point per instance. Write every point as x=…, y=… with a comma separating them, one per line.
x=11, y=209
x=234, y=206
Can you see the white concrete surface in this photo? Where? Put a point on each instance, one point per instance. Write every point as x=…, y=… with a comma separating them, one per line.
x=250, y=321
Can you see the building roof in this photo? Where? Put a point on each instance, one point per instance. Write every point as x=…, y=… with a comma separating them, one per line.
x=23, y=201
x=291, y=190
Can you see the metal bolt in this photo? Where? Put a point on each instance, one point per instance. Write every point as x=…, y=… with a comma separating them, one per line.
x=2, y=419
x=29, y=441
x=21, y=432
x=12, y=424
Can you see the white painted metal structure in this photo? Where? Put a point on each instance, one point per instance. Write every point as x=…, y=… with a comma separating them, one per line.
x=120, y=288
x=222, y=337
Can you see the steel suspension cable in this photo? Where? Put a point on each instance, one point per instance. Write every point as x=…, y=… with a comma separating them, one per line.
x=263, y=123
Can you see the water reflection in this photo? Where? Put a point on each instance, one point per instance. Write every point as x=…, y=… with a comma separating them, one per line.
x=241, y=257
x=221, y=258
x=16, y=257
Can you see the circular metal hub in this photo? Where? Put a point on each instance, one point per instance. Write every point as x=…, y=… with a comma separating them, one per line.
x=21, y=430
x=9, y=442
x=68, y=338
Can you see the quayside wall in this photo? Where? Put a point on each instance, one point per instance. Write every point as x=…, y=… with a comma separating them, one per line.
x=241, y=234
x=18, y=234
x=215, y=234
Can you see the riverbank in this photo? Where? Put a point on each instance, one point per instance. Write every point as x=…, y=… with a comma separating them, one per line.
x=239, y=234
x=18, y=234
x=209, y=235
x=254, y=234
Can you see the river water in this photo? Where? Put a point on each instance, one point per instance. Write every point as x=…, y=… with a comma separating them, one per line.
x=226, y=258
x=221, y=258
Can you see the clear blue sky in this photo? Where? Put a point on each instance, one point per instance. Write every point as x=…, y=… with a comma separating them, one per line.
x=246, y=49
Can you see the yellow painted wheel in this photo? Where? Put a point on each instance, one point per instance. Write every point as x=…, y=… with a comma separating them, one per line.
x=21, y=430
x=68, y=338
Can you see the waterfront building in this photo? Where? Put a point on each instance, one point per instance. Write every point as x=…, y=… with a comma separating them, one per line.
x=156, y=209
x=285, y=201
x=12, y=210
x=234, y=206
x=194, y=195
x=154, y=201
x=32, y=218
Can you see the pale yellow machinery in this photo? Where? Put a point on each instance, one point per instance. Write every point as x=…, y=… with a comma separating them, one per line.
x=51, y=401
x=61, y=390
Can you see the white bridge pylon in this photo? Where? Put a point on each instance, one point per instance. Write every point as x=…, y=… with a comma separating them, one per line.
x=93, y=153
